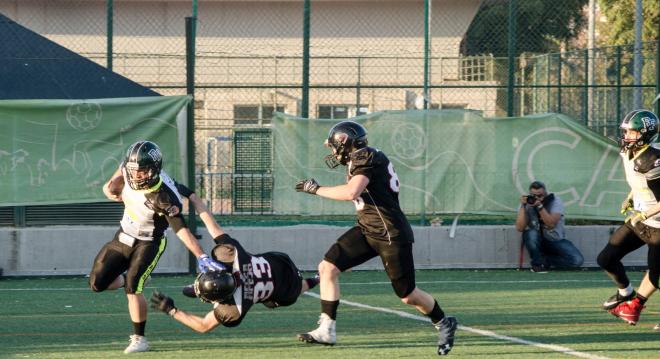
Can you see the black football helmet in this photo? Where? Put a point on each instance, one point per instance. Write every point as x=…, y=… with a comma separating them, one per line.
x=646, y=122
x=215, y=286
x=344, y=138
x=145, y=157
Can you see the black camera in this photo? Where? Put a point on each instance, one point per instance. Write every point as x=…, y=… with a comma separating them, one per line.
x=531, y=198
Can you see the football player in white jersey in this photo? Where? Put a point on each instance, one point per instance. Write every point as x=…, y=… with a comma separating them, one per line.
x=641, y=161
x=152, y=203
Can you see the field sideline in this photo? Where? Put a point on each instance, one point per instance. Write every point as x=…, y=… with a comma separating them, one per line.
x=503, y=314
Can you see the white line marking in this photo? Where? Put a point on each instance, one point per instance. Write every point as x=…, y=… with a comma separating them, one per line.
x=487, y=333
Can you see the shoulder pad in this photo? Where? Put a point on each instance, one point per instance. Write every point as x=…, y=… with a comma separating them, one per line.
x=161, y=202
x=646, y=161
x=362, y=157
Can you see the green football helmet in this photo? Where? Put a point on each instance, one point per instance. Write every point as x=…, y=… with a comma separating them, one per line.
x=646, y=122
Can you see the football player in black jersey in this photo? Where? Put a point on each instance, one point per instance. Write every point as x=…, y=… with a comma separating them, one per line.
x=382, y=230
x=269, y=278
x=641, y=161
x=152, y=202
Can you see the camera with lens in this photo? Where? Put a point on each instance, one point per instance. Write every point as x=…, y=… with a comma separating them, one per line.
x=531, y=199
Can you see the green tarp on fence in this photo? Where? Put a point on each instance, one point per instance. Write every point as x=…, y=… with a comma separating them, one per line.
x=452, y=161
x=62, y=151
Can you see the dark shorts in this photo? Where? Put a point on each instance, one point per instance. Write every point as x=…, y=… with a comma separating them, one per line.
x=354, y=248
x=116, y=258
x=288, y=280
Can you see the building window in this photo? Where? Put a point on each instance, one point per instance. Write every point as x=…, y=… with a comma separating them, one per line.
x=254, y=114
x=340, y=112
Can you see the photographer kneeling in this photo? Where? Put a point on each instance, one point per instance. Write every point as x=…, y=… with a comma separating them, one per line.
x=541, y=220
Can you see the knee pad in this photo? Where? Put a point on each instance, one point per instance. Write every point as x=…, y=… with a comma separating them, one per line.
x=402, y=288
x=604, y=258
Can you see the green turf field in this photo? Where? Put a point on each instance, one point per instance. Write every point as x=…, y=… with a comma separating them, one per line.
x=503, y=313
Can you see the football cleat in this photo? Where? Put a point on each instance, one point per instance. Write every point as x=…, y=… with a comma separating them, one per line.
x=617, y=299
x=189, y=291
x=137, y=344
x=657, y=327
x=628, y=311
x=313, y=282
x=446, y=329
x=325, y=334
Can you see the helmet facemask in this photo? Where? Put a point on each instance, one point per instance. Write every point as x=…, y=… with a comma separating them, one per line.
x=340, y=152
x=141, y=178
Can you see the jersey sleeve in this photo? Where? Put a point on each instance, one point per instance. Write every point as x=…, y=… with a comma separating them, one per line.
x=167, y=204
x=183, y=190
x=362, y=163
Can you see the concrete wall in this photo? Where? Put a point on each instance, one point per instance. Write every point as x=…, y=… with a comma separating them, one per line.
x=71, y=250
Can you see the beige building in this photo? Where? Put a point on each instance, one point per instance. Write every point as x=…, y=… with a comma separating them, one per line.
x=367, y=55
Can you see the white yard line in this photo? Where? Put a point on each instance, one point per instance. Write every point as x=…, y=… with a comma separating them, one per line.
x=487, y=333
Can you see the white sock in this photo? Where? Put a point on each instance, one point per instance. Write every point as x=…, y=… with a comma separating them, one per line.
x=626, y=291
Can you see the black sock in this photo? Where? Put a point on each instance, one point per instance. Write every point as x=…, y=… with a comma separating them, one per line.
x=329, y=307
x=436, y=314
x=642, y=299
x=138, y=328
x=312, y=282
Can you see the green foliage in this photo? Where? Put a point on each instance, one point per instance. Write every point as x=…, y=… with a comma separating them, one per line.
x=620, y=29
x=541, y=26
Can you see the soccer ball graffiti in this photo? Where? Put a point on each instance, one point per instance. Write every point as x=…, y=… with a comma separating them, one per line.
x=408, y=141
x=84, y=116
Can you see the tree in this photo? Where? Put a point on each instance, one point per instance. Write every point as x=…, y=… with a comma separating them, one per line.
x=620, y=14
x=542, y=26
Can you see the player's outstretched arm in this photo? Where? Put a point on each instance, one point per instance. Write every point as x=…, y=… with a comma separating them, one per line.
x=206, y=216
x=346, y=192
x=204, y=262
x=112, y=189
x=165, y=304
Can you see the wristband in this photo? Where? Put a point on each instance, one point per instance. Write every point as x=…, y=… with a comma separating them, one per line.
x=172, y=312
x=540, y=207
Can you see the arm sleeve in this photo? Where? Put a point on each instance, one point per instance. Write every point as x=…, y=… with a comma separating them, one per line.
x=167, y=204
x=183, y=190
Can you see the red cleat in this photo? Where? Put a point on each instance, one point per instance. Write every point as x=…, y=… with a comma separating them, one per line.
x=628, y=311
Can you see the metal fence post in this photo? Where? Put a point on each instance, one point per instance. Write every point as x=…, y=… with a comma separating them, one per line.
x=618, y=84
x=512, y=55
x=427, y=44
x=304, y=112
x=19, y=216
x=657, y=70
x=357, y=86
x=190, y=127
x=585, y=95
x=110, y=32
x=559, y=82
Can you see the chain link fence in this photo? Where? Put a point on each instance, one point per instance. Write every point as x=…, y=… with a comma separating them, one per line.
x=496, y=57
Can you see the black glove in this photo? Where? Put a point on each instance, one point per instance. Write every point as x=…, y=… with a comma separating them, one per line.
x=309, y=185
x=165, y=304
